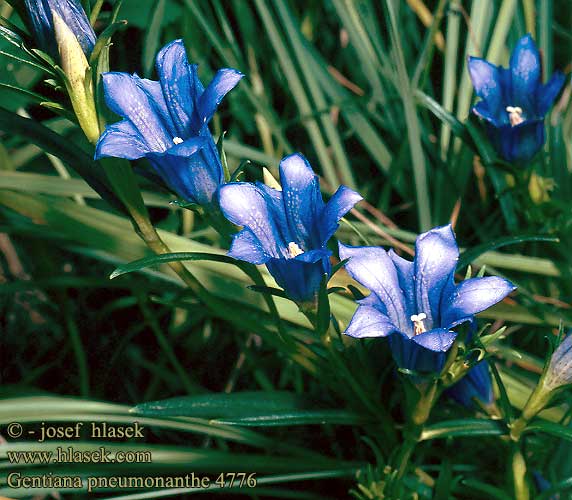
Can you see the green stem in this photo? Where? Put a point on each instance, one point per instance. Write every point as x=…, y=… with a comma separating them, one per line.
x=521, y=489
x=412, y=433
x=537, y=401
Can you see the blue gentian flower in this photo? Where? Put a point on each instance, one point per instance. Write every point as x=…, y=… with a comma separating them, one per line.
x=417, y=304
x=71, y=12
x=476, y=384
x=167, y=123
x=287, y=230
x=514, y=100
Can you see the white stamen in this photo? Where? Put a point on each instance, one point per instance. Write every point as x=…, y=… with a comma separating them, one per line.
x=294, y=250
x=418, y=326
x=514, y=115
x=177, y=140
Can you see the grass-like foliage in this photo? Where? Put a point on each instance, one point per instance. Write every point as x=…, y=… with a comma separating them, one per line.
x=177, y=318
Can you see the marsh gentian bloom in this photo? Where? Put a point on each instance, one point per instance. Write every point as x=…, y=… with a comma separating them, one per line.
x=559, y=371
x=287, y=230
x=514, y=101
x=167, y=123
x=417, y=304
x=476, y=384
x=71, y=12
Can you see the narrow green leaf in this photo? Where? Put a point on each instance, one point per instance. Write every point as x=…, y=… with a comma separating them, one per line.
x=323, y=316
x=104, y=39
x=551, y=428
x=445, y=116
x=59, y=146
x=302, y=417
x=156, y=260
x=222, y=154
x=268, y=290
x=233, y=405
x=412, y=119
x=471, y=427
x=153, y=35
x=472, y=254
x=504, y=399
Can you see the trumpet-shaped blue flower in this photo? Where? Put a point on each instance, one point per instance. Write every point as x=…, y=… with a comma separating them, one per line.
x=287, y=230
x=42, y=18
x=514, y=100
x=417, y=304
x=476, y=384
x=167, y=122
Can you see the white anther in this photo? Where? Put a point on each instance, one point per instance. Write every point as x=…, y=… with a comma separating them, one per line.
x=294, y=250
x=177, y=140
x=514, y=115
x=418, y=326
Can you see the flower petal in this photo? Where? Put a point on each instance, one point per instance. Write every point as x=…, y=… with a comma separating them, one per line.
x=245, y=246
x=374, y=269
x=222, y=83
x=314, y=255
x=486, y=80
x=519, y=143
x=176, y=77
x=153, y=89
x=71, y=11
x=338, y=205
x=73, y=15
x=405, y=270
x=476, y=384
x=189, y=169
x=368, y=321
x=409, y=353
x=127, y=99
x=559, y=370
x=300, y=280
x=188, y=147
x=438, y=339
x=473, y=296
x=276, y=205
x=303, y=202
x=547, y=93
x=120, y=140
x=245, y=204
x=436, y=255
x=564, y=350
x=482, y=109
x=525, y=71
x=43, y=26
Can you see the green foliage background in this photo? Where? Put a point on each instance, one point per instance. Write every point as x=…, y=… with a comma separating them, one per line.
x=376, y=95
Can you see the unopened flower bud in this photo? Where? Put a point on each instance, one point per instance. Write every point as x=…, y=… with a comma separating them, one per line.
x=559, y=371
x=41, y=18
x=539, y=188
x=78, y=79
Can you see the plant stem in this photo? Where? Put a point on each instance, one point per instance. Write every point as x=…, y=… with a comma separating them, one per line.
x=412, y=432
x=537, y=401
x=521, y=489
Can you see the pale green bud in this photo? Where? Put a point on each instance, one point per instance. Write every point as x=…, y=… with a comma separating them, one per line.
x=78, y=78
